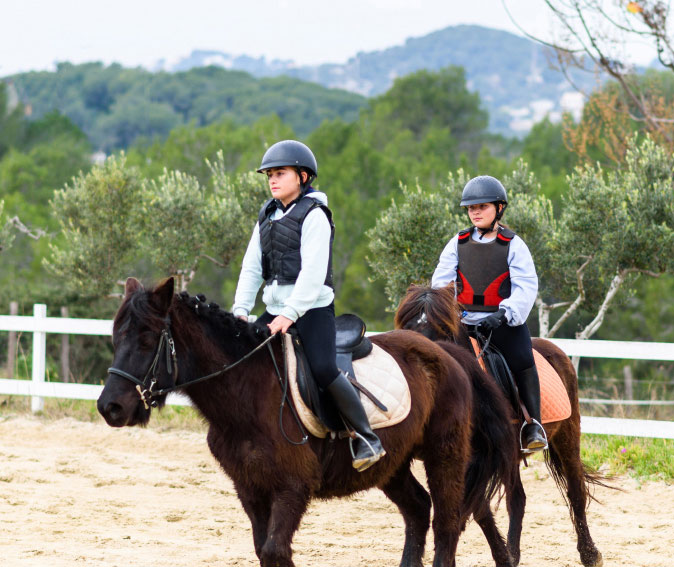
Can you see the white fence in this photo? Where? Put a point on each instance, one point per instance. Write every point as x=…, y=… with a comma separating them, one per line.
x=39, y=325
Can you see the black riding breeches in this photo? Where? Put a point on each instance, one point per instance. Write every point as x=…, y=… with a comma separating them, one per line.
x=316, y=329
x=515, y=345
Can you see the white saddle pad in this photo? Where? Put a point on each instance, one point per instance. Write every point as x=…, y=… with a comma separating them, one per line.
x=378, y=372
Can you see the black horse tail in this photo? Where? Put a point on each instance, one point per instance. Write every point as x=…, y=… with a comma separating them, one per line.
x=494, y=462
x=590, y=477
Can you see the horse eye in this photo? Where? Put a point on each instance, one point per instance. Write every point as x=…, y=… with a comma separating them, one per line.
x=147, y=341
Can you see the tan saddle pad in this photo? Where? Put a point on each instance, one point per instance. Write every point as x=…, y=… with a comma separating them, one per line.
x=555, y=404
x=378, y=372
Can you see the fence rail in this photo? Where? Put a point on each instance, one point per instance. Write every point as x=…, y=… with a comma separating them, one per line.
x=39, y=325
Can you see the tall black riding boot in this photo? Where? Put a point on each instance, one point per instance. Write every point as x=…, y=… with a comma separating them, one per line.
x=530, y=393
x=368, y=446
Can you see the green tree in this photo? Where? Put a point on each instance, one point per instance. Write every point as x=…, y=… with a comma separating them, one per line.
x=546, y=153
x=12, y=122
x=188, y=148
x=114, y=223
x=98, y=241
x=117, y=107
x=614, y=227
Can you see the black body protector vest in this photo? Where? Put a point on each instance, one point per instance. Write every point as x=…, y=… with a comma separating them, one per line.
x=483, y=275
x=280, y=241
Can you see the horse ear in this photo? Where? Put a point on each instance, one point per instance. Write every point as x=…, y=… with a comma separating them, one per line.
x=163, y=295
x=132, y=286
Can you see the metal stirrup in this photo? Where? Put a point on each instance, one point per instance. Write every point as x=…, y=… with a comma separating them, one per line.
x=526, y=450
x=369, y=446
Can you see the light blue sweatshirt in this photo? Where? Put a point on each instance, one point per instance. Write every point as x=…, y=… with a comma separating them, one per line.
x=308, y=292
x=523, y=279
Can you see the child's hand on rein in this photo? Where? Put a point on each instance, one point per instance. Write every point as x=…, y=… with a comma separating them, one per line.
x=279, y=323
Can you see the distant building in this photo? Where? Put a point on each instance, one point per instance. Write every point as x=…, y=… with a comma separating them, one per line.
x=12, y=96
x=98, y=158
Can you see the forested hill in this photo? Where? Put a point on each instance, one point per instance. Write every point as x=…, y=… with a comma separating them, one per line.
x=513, y=75
x=117, y=106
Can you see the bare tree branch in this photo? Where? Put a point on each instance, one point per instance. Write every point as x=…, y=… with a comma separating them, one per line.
x=576, y=303
x=649, y=21
x=34, y=234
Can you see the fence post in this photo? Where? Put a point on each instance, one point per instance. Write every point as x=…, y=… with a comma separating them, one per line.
x=65, y=351
x=629, y=387
x=39, y=356
x=11, y=347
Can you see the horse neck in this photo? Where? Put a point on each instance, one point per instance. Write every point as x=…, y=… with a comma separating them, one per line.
x=231, y=396
x=462, y=339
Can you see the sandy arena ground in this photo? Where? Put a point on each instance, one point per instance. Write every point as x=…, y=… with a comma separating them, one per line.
x=74, y=493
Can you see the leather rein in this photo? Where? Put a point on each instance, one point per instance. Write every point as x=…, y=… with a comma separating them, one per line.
x=146, y=386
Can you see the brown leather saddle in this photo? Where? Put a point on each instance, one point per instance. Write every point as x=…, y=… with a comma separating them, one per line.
x=352, y=344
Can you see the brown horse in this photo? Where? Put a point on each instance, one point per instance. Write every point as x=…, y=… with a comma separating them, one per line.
x=457, y=425
x=436, y=314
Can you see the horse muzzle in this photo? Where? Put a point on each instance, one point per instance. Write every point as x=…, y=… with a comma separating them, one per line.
x=122, y=408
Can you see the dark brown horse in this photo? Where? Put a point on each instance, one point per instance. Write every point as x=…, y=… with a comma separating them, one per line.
x=457, y=425
x=436, y=314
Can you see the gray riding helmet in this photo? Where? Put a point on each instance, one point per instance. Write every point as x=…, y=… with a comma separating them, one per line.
x=483, y=189
x=290, y=153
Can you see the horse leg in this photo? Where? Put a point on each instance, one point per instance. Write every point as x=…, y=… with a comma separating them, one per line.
x=446, y=472
x=258, y=507
x=414, y=504
x=564, y=458
x=499, y=551
x=515, y=503
x=287, y=508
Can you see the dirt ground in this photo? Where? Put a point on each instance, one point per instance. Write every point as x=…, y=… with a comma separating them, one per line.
x=74, y=493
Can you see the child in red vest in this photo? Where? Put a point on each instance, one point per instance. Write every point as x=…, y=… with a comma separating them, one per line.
x=496, y=284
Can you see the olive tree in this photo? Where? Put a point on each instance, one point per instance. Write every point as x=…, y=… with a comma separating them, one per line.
x=614, y=228
x=113, y=223
x=98, y=240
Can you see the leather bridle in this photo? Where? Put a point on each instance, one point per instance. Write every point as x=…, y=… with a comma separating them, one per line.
x=146, y=386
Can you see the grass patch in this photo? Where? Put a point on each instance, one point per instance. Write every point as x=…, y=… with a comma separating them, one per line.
x=169, y=418
x=640, y=457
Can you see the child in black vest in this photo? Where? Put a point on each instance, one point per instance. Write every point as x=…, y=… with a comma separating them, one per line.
x=291, y=251
x=496, y=284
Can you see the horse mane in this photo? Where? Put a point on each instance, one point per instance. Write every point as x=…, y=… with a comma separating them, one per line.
x=436, y=308
x=191, y=315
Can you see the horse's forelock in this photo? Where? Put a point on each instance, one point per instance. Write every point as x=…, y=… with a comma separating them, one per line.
x=137, y=307
x=412, y=306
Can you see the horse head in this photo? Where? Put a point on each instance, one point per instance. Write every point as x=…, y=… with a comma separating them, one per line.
x=165, y=342
x=433, y=312
x=144, y=355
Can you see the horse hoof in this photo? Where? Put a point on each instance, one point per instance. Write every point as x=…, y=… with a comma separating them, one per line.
x=593, y=560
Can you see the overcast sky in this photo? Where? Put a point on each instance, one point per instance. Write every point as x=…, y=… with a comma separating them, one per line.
x=34, y=34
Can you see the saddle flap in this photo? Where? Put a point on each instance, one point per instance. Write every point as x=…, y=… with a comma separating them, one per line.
x=379, y=373
x=555, y=404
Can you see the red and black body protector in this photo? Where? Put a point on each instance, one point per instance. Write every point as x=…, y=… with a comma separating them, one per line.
x=483, y=274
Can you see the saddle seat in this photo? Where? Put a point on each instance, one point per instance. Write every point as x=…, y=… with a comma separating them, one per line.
x=351, y=342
